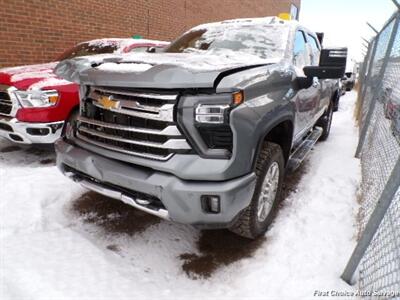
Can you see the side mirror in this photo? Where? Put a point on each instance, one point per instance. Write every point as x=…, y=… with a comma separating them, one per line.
x=332, y=64
x=151, y=50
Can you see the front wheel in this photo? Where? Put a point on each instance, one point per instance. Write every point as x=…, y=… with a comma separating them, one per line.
x=256, y=218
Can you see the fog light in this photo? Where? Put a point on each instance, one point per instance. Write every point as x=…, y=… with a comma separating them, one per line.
x=211, y=204
x=38, y=131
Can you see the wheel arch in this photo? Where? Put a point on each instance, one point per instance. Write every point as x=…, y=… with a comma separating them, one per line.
x=280, y=132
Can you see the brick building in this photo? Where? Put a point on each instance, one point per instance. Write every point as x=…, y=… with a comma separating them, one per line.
x=35, y=31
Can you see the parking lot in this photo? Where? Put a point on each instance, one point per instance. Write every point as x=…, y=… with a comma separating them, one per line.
x=59, y=241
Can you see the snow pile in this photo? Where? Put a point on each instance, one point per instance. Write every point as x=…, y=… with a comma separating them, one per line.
x=51, y=249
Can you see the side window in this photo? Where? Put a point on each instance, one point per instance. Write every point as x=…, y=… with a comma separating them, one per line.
x=314, y=44
x=300, y=56
x=315, y=47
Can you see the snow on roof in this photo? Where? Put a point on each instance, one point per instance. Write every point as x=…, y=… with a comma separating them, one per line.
x=247, y=21
x=123, y=42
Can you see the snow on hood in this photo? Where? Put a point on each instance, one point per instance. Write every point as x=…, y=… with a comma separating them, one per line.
x=30, y=72
x=157, y=70
x=198, y=61
x=49, y=82
x=193, y=63
x=124, y=68
x=29, y=68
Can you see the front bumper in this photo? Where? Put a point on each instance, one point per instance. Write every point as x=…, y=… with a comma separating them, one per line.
x=180, y=198
x=30, y=133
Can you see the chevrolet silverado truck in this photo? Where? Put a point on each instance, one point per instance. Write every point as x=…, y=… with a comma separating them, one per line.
x=203, y=132
x=34, y=103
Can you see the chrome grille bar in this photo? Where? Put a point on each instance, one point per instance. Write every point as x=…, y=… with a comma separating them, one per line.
x=121, y=150
x=170, y=144
x=171, y=130
x=165, y=112
x=139, y=95
x=130, y=122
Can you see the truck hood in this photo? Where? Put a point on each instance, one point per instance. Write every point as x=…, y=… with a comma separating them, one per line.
x=157, y=70
x=29, y=77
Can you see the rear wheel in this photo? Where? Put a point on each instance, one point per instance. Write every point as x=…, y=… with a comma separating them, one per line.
x=256, y=218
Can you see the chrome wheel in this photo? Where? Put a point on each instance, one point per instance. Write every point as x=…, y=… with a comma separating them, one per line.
x=268, y=192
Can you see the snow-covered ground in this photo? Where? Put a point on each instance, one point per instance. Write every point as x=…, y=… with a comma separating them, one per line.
x=59, y=242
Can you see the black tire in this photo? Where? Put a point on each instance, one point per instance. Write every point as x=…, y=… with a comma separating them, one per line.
x=248, y=224
x=336, y=101
x=70, y=124
x=335, y=104
x=325, y=123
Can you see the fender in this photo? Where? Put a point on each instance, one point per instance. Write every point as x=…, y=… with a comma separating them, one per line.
x=285, y=114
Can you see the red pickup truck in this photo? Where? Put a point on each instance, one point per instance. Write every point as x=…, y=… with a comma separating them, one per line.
x=35, y=104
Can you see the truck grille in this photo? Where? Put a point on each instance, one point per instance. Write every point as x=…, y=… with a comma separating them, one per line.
x=137, y=123
x=5, y=103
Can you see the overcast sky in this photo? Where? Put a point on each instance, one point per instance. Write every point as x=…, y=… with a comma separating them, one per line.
x=344, y=21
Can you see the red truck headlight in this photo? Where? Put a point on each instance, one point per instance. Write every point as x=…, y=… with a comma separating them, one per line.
x=37, y=98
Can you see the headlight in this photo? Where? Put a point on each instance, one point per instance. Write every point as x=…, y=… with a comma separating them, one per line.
x=217, y=113
x=37, y=98
x=211, y=113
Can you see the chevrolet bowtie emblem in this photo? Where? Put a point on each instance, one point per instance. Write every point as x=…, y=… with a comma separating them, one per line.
x=108, y=103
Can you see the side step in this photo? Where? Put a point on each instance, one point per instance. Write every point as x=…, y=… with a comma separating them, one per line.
x=302, y=151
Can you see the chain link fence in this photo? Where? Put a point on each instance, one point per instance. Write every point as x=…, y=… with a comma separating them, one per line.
x=376, y=259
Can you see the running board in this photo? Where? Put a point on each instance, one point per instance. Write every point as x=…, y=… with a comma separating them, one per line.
x=302, y=151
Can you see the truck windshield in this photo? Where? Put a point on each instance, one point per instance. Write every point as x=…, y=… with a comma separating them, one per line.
x=89, y=48
x=262, y=40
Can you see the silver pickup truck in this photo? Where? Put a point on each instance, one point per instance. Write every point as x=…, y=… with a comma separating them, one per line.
x=203, y=132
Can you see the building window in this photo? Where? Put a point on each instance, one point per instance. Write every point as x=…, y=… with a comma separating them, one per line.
x=294, y=12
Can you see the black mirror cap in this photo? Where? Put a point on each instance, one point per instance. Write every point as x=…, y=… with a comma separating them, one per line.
x=333, y=57
x=332, y=64
x=324, y=72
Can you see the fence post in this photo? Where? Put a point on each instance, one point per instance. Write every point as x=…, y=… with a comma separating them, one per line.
x=397, y=4
x=367, y=75
x=388, y=194
x=373, y=28
x=371, y=109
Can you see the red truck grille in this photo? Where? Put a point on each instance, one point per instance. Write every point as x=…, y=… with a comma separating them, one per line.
x=5, y=103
